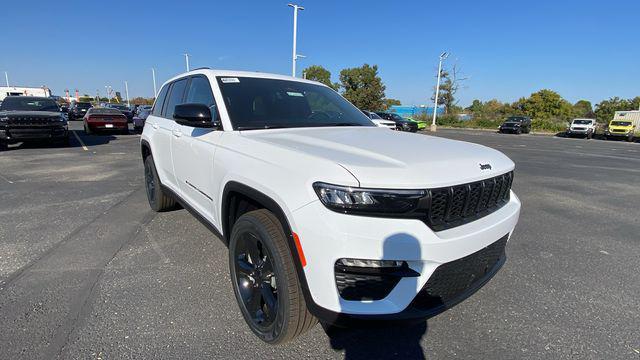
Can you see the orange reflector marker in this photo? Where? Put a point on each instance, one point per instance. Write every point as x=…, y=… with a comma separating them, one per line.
x=296, y=239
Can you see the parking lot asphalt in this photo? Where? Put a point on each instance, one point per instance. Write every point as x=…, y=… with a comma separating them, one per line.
x=87, y=270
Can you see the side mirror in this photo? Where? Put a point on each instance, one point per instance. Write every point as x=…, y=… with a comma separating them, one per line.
x=195, y=115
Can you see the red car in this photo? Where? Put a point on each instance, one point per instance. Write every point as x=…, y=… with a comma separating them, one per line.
x=105, y=119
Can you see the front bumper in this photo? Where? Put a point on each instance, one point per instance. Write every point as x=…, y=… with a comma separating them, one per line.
x=618, y=134
x=509, y=130
x=327, y=236
x=28, y=133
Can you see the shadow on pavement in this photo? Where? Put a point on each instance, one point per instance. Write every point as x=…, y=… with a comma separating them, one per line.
x=397, y=342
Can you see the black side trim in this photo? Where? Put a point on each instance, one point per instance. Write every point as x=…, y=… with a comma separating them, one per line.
x=195, y=214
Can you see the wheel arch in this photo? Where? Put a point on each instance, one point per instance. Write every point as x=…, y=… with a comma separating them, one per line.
x=232, y=188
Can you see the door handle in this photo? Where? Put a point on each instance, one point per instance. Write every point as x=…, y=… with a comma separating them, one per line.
x=176, y=133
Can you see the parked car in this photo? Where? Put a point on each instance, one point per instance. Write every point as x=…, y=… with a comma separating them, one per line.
x=421, y=124
x=324, y=215
x=138, y=120
x=621, y=129
x=77, y=110
x=402, y=124
x=30, y=118
x=516, y=125
x=124, y=109
x=142, y=108
x=378, y=121
x=582, y=127
x=105, y=119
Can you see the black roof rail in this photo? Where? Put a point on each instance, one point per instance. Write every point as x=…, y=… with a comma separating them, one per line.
x=202, y=68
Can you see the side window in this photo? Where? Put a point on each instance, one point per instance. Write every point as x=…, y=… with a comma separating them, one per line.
x=157, y=107
x=174, y=98
x=200, y=93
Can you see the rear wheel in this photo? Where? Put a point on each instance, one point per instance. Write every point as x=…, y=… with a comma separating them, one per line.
x=158, y=199
x=630, y=138
x=264, y=279
x=87, y=129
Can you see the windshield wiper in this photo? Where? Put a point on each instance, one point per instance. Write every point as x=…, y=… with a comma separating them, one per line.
x=341, y=124
x=241, y=128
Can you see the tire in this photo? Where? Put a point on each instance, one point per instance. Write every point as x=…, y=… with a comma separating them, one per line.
x=630, y=138
x=4, y=146
x=158, y=199
x=272, y=278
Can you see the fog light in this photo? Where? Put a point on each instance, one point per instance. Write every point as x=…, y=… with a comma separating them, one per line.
x=370, y=263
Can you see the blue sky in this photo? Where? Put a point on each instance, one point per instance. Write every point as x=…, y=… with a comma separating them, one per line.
x=508, y=49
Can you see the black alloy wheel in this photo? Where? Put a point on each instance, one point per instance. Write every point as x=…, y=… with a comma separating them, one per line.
x=264, y=279
x=256, y=280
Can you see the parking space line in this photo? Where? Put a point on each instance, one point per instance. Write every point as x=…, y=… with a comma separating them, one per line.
x=84, y=147
x=5, y=179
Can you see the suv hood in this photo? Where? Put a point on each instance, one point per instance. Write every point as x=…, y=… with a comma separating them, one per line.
x=39, y=114
x=381, y=158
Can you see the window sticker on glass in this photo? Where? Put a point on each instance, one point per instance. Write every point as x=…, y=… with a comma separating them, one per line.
x=229, y=80
x=293, y=93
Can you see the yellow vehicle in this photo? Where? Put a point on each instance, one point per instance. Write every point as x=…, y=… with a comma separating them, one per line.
x=620, y=129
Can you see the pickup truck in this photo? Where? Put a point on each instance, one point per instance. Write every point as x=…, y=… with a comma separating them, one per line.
x=326, y=216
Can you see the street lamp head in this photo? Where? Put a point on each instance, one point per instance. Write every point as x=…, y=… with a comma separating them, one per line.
x=444, y=55
x=295, y=6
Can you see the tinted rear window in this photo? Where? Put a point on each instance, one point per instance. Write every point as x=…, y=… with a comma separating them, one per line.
x=83, y=105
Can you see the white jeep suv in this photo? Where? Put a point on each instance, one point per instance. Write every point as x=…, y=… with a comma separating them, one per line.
x=326, y=216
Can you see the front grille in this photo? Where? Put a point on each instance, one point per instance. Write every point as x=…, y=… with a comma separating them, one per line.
x=357, y=287
x=619, y=130
x=29, y=120
x=450, y=282
x=460, y=204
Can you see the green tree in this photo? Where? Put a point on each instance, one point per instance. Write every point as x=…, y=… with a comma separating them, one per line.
x=320, y=74
x=363, y=87
x=450, y=82
x=583, y=109
x=606, y=108
x=388, y=103
x=545, y=104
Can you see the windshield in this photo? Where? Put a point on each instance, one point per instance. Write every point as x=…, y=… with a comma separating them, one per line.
x=254, y=103
x=21, y=103
x=83, y=105
x=621, y=123
x=104, y=111
x=119, y=107
x=515, y=119
x=582, y=122
x=375, y=116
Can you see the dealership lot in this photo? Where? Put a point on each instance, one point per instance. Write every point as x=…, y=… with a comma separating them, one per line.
x=88, y=271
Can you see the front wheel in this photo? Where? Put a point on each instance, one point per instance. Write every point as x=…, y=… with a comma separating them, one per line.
x=264, y=279
x=630, y=138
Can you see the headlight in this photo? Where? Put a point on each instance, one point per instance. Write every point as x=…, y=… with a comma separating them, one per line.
x=370, y=201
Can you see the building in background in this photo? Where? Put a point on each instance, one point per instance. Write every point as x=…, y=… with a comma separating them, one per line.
x=413, y=110
x=23, y=91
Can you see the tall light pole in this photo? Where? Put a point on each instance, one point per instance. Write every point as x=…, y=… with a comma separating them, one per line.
x=155, y=91
x=186, y=57
x=126, y=90
x=6, y=77
x=295, y=36
x=443, y=56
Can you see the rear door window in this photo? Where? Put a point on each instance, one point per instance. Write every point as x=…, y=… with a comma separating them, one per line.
x=157, y=107
x=174, y=98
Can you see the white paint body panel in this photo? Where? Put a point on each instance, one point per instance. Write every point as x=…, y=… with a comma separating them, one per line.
x=284, y=163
